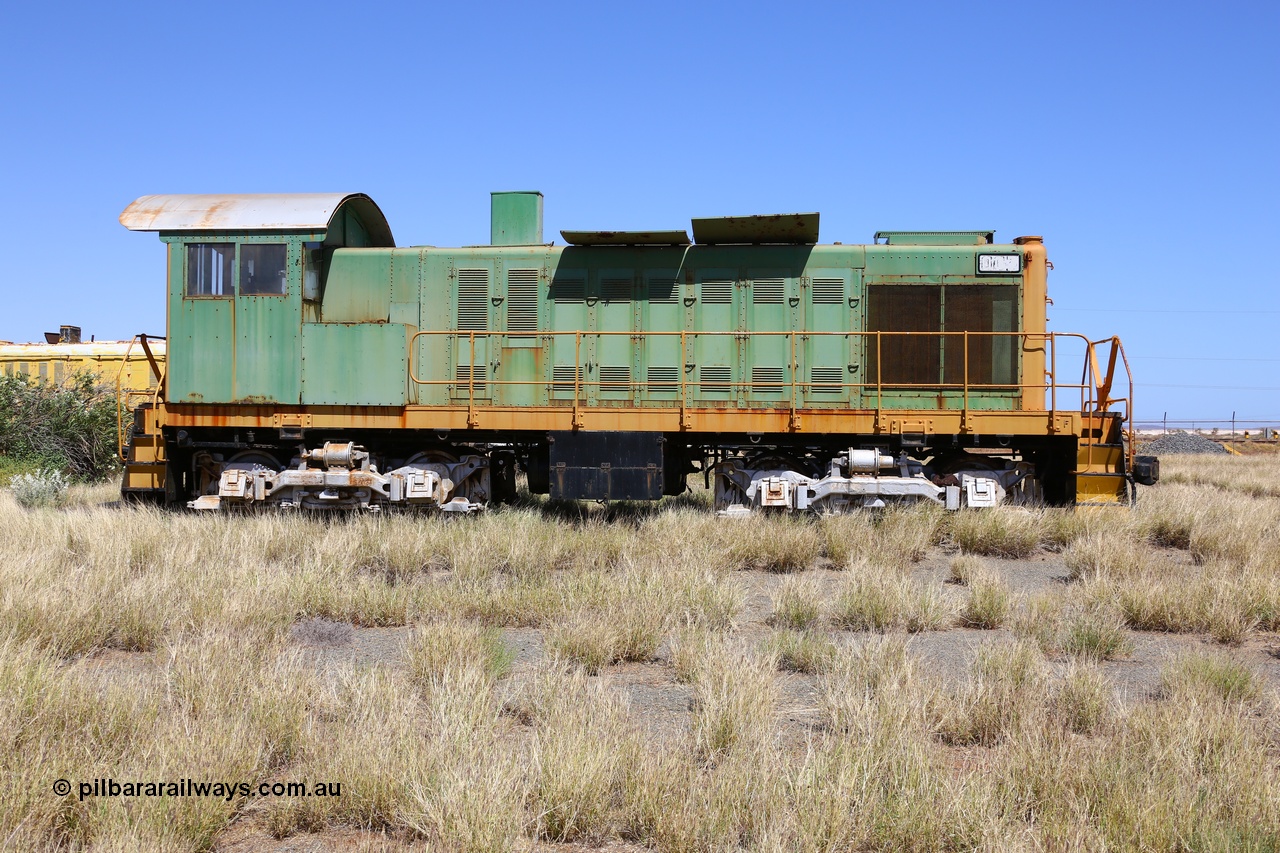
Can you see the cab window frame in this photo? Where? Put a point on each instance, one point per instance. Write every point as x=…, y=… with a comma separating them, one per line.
x=230, y=278
x=283, y=246
x=224, y=279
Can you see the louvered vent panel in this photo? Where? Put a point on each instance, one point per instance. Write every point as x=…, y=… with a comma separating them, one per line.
x=463, y=379
x=562, y=377
x=615, y=378
x=828, y=291
x=522, y=300
x=615, y=289
x=473, y=300
x=714, y=379
x=766, y=380
x=826, y=380
x=717, y=292
x=569, y=290
x=768, y=291
x=664, y=380
x=663, y=291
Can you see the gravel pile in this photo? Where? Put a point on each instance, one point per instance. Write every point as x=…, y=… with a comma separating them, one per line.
x=1180, y=441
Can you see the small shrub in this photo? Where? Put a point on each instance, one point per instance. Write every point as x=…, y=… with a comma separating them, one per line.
x=775, y=544
x=588, y=640
x=875, y=693
x=45, y=487
x=580, y=743
x=710, y=598
x=689, y=648
x=70, y=426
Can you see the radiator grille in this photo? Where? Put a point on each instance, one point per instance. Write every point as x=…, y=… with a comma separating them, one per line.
x=768, y=291
x=563, y=376
x=615, y=289
x=714, y=379
x=826, y=380
x=473, y=300
x=767, y=380
x=664, y=380
x=717, y=292
x=828, y=291
x=522, y=300
x=463, y=378
x=616, y=378
x=663, y=291
x=569, y=290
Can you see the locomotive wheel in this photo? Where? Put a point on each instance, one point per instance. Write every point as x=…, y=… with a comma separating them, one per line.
x=252, y=460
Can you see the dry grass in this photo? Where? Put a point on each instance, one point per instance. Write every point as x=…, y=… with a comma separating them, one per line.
x=734, y=698
x=869, y=601
x=142, y=644
x=989, y=602
x=802, y=651
x=1002, y=532
x=799, y=604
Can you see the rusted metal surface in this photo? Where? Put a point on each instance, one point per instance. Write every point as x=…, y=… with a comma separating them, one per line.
x=697, y=420
x=252, y=212
x=783, y=228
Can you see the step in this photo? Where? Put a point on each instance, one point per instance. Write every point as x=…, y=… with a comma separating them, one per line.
x=140, y=476
x=145, y=448
x=1100, y=457
x=1094, y=488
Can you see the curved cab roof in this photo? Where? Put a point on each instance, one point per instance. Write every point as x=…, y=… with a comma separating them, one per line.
x=254, y=212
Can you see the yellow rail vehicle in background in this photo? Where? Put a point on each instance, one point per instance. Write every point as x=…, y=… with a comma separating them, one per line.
x=115, y=363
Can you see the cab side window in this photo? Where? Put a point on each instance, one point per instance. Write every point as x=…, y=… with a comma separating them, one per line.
x=209, y=269
x=264, y=269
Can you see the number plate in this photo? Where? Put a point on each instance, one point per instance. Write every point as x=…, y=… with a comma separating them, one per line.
x=1000, y=264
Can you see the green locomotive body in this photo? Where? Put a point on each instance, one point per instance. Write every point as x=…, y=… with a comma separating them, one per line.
x=607, y=368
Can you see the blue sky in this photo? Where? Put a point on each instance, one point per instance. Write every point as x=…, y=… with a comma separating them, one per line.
x=1139, y=139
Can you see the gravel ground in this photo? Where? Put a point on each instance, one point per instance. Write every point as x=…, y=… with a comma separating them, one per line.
x=1178, y=442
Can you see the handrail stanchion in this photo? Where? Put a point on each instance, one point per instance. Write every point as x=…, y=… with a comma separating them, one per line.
x=794, y=425
x=471, y=384
x=964, y=409
x=577, y=377
x=879, y=383
x=684, y=392
x=119, y=402
x=1053, y=380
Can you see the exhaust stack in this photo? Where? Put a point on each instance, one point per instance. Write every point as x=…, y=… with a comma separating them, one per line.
x=515, y=219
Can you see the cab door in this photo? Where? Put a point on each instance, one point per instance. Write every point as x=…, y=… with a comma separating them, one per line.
x=201, y=321
x=268, y=321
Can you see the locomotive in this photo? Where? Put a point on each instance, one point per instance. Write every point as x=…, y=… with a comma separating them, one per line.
x=313, y=364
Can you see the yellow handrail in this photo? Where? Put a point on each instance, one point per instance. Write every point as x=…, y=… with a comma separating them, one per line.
x=1094, y=387
x=125, y=397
